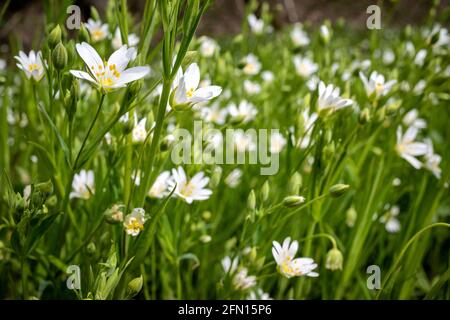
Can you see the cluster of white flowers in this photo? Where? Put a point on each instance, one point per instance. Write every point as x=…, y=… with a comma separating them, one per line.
x=241, y=280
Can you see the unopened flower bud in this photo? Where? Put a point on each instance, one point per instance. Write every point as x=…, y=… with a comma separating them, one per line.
x=251, y=200
x=338, y=190
x=135, y=286
x=295, y=183
x=350, y=217
x=45, y=188
x=265, y=190
x=90, y=248
x=293, y=201
x=334, y=260
x=190, y=57
x=364, y=116
x=59, y=56
x=84, y=34
x=54, y=37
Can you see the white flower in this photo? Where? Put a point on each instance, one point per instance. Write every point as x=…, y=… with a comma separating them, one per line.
x=267, y=76
x=214, y=114
x=252, y=65
x=2, y=64
x=133, y=40
x=134, y=222
x=208, y=47
x=407, y=148
x=256, y=25
x=298, y=36
x=420, y=87
x=113, y=74
x=392, y=224
x=97, y=30
x=304, y=66
x=287, y=265
x=139, y=133
x=234, y=178
x=388, y=56
x=312, y=83
x=329, y=99
x=324, y=33
x=251, y=87
x=160, y=187
x=376, y=84
x=228, y=265
x=189, y=190
x=258, y=295
x=83, y=185
x=245, y=111
x=242, y=281
x=420, y=57
x=277, y=142
x=32, y=64
x=243, y=142
x=187, y=92
x=432, y=160
x=411, y=119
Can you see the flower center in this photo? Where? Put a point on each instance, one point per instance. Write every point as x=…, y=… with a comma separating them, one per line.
x=33, y=66
x=187, y=190
x=190, y=93
x=98, y=34
x=135, y=225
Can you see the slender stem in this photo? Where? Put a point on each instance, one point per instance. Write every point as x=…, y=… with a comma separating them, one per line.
x=102, y=98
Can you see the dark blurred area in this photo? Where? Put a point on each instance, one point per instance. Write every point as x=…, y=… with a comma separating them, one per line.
x=25, y=18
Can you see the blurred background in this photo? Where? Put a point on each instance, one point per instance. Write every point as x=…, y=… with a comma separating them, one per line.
x=25, y=18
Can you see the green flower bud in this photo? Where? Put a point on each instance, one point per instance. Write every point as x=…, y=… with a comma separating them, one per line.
x=206, y=215
x=265, y=190
x=84, y=34
x=364, y=116
x=251, y=200
x=334, y=260
x=45, y=188
x=59, y=56
x=237, y=120
x=94, y=14
x=295, y=183
x=350, y=217
x=52, y=201
x=338, y=190
x=135, y=286
x=128, y=127
x=293, y=201
x=54, y=37
x=392, y=107
x=90, y=248
x=216, y=176
x=190, y=57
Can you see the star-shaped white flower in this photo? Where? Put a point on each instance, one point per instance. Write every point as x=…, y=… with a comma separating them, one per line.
x=189, y=190
x=186, y=88
x=304, y=66
x=97, y=30
x=409, y=149
x=160, y=187
x=32, y=64
x=330, y=100
x=287, y=265
x=112, y=74
x=83, y=185
x=376, y=84
x=134, y=222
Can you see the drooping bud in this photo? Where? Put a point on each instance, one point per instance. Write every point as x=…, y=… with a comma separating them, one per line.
x=293, y=201
x=338, y=190
x=334, y=260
